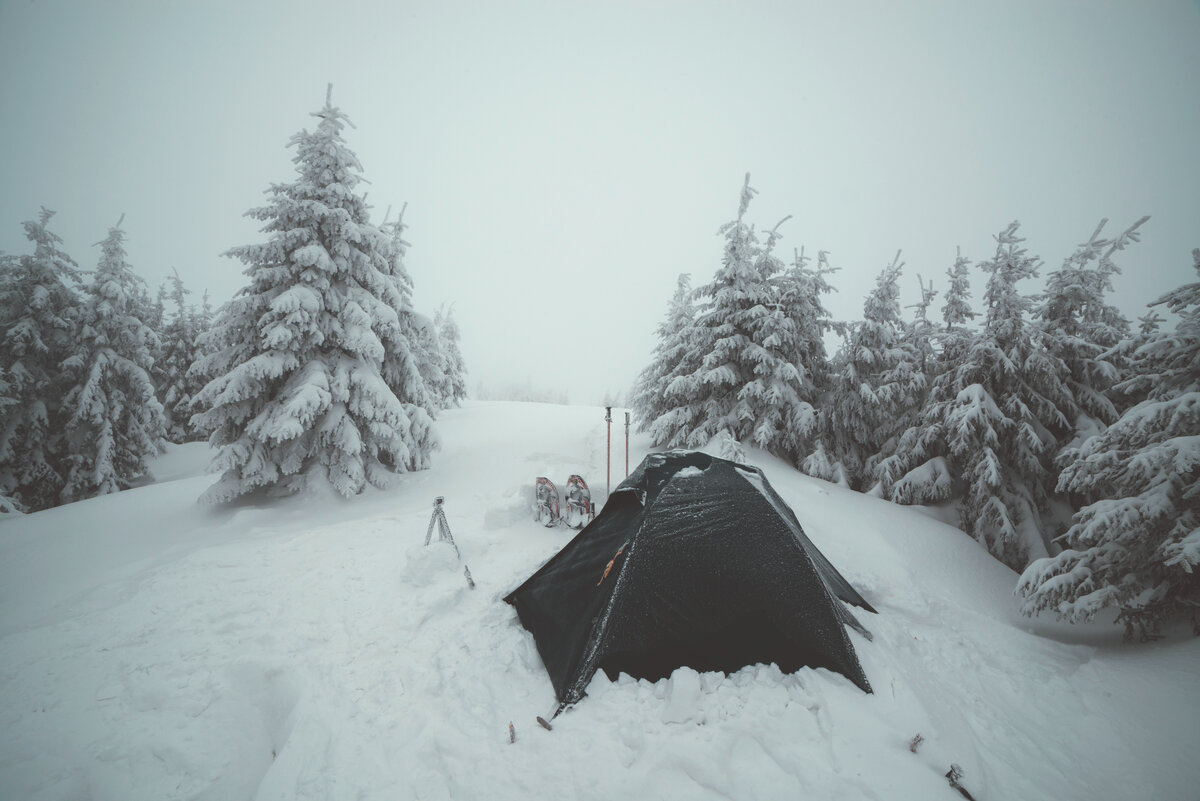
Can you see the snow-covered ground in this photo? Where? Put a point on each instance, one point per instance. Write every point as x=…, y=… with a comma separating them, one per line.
x=313, y=648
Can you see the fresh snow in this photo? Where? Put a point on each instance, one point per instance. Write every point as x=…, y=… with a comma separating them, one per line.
x=153, y=648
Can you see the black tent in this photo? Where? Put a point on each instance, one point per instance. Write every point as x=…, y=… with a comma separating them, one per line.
x=693, y=561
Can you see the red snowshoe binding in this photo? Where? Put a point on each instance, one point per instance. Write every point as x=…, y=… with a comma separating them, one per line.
x=546, y=497
x=579, y=503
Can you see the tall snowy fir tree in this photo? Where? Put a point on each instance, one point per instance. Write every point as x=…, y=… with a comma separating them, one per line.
x=920, y=334
x=746, y=386
x=1136, y=545
x=431, y=363
x=805, y=322
x=153, y=312
x=674, y=355
x=877, y=388
x=312, y=358
x=8, y=503
x=203, y=369
x=39, y=307
x=1132, y=387
x=178, y=351
x=156, y=318
x=407, y=358
x=956, y=334
x=1079, y=326
x=917, y=468
x=455, y=367
x=692, y=420
x=114, y=422
x=991, y=422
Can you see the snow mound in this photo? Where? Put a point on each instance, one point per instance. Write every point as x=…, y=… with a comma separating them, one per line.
x=683, y=693
x=504, y=510
x=426, y=564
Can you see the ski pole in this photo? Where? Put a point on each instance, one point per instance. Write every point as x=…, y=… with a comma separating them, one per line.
x=608, y=449
x=626, y=444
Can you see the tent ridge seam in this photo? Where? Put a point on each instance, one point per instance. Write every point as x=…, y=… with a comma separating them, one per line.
x=575, y=692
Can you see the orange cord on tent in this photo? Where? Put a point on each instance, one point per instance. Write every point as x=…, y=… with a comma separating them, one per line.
x=608, y=567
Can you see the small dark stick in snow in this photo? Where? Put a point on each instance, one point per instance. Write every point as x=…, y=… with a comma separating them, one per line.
x=512, y=733
x=952, y=776
x=544, y=723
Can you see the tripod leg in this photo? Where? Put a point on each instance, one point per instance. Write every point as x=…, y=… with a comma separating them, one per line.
x=444, y=532
x=429, y=531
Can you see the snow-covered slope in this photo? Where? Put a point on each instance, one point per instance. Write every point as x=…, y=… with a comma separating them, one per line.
x=154, y=649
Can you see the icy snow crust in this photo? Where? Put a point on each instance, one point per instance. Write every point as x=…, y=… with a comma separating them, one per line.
x=311, y=649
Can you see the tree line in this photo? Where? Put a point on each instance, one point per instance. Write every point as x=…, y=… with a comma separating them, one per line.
x=319, y=366
x=1068, y=441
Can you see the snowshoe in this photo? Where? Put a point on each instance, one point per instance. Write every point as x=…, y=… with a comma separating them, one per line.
x=579, y=503
x=546, y=497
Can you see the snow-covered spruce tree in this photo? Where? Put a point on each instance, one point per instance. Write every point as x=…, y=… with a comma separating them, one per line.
x=956, y=336
x=991, y=421
x=917, y=469
x=1078, y=326
x=920, y=333
x=114, y=422
x=311, y=358
x=674, y=355
x=746, y=384
x=1006, y=415
x=878, y=385
x=1136, y=545
x=431, y=363
x=206, y=344
x=1132, y=387
x=178, y=351
x=8, y=398
x=155, y=316
x=39, y=308
x=686, y=423
x=804, y=324
x=456, y=369
x=152, y=312
x=409, y=359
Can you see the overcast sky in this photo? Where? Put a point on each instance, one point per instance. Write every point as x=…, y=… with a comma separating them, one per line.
x=564, y=162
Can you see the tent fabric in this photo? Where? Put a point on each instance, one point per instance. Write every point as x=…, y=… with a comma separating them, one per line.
x=694, y=561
